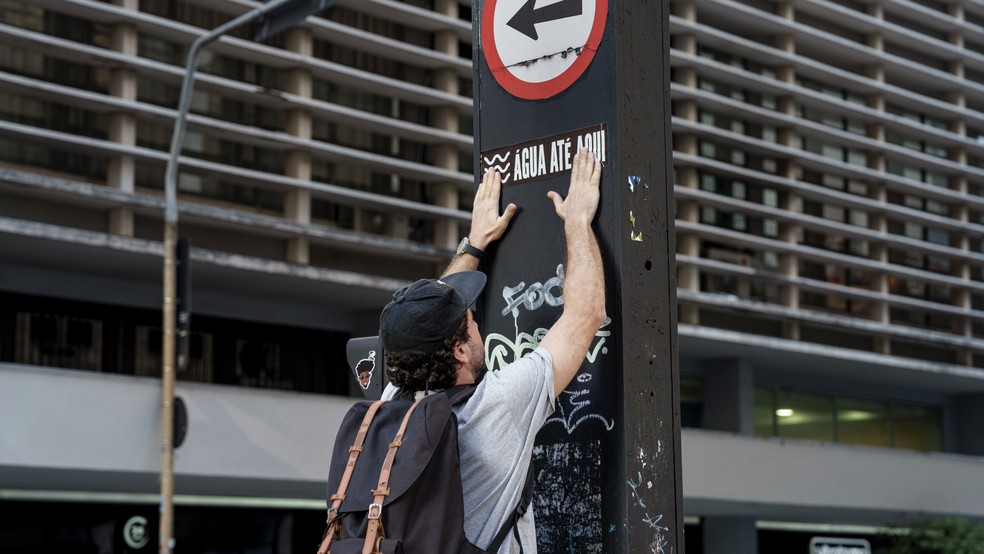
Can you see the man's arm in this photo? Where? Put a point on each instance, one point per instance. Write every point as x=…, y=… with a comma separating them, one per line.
x=584, y=280
x=487, y=225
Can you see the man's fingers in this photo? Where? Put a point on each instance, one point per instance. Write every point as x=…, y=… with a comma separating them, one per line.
x=582, y=166
x=491, y=182
x=495, y=188
x=578, y=161
x=558, y=203
x=503, y=221
x=484, y=185
x=596, y=173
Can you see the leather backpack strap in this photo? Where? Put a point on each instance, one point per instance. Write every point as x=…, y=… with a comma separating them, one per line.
x=375, y=532
x=339, y=496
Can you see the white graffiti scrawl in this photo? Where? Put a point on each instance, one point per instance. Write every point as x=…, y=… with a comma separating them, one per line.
x=574, y=405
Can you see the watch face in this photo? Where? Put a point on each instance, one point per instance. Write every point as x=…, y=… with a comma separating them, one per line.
x=462, y=245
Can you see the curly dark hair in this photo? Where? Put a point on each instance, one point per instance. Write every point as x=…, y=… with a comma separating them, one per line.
x=417, y=372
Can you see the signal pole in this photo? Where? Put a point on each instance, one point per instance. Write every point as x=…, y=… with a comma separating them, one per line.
x=274, y=17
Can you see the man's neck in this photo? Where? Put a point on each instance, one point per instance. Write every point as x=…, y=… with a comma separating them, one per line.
x=465, y=377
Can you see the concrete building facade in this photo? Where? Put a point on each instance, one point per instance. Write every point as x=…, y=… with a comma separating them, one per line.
x=829, y=169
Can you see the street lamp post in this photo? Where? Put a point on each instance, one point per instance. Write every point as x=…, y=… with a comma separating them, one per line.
x=275, y=16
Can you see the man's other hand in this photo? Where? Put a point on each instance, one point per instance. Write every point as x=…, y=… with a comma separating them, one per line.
x=487, y=224
x=583, y=194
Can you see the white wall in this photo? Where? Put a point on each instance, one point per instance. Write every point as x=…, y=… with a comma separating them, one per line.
x=727, y=474
x=79, y=430
x=75, y=430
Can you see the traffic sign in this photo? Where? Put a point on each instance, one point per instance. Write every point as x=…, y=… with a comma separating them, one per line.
x=536, y=48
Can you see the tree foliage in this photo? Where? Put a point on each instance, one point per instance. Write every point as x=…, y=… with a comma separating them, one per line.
x=942, y=535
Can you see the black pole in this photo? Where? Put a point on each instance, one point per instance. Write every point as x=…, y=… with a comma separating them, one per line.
x=592, y=73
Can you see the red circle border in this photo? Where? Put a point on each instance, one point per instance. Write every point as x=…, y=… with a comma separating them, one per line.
x=539, y=91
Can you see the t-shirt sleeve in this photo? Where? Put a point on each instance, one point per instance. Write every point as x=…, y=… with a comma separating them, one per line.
x=523, y=390
x=390, y=392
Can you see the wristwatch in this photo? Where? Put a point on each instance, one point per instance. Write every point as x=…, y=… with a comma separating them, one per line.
x=465, y=247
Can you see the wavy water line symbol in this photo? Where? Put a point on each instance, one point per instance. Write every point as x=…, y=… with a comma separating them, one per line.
x=500, y=163
x=500, y=158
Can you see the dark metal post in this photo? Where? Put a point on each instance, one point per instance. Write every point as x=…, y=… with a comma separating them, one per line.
x=647, y=266
x=549, y=79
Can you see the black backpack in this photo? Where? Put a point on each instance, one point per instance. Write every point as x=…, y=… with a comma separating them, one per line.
x=395, y=480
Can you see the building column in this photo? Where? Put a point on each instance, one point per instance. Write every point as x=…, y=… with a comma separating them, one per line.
x=730, y=535
x=788, y=200
x=961, y=269
x=446, y=233
x=297, y=202
x=956, y=11
x=970, y=421
x=121, y=170
x=961, y=239
x=688, y=244
x=880, y=281
x=877, y=191
x=729, y=396
x=399, y=221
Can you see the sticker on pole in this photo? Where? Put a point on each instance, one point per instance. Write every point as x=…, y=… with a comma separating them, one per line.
x=538, y=48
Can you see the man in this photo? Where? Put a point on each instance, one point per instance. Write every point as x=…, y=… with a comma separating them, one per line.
x=432, y=342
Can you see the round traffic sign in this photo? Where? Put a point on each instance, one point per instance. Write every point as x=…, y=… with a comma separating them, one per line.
x=537, y=49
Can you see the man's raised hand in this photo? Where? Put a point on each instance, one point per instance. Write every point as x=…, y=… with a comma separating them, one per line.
x=583, y=194
x=487, y=224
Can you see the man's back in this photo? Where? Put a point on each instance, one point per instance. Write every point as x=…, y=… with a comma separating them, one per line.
x=496, y=430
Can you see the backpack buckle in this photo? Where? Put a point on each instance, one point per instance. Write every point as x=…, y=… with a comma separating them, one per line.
x=375, y=511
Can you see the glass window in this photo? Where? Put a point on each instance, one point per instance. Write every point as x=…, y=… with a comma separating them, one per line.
x=804, y=416
x=860, y=422
x=798, y=415
x=917, y=428
x=765, y=409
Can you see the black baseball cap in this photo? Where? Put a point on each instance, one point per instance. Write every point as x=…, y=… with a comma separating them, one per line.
x=423, y=315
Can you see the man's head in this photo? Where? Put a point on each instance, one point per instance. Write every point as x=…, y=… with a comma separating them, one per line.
x=428, y=333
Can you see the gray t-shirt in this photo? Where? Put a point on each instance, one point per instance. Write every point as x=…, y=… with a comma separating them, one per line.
x=496, y=429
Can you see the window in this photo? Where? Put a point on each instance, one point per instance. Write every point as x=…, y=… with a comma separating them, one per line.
x=842, y=94
x=765, y=413
x=862, y=422
x=917, y=117
x=76, y=335
x=834, y=152
x=752, y=97
x=813, y=416
x=917, y=428
x=804, y=416
x=832, y=120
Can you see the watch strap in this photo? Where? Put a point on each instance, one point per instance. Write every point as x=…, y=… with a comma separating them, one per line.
x=469, y=249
